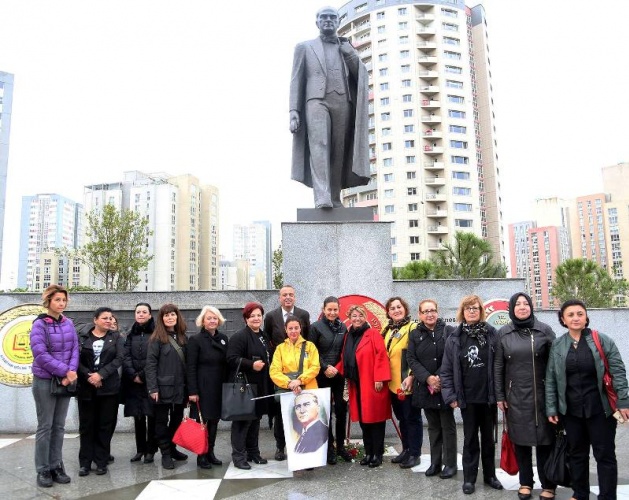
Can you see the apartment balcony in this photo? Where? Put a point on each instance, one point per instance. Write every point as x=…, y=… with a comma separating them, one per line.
x=434, y=246
x=426, y=45
x=425, y=18
x=434, y=166
x=426, y=31
x=429, y=104
x=436, y=214
x=433, y=150
x=427, y=60
x=429, y=89
x=361, y=42
x=371, y=95
x=361, y=28
x=437, y=229
x=432, y=133
x=369, y=66
x=431, y=118
x=365, y=53
x=435, y=197
x=435, y=181
x=428, y=75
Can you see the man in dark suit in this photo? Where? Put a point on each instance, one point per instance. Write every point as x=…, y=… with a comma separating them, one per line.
x=314, y=433
x=329, y=85
x=275, y=320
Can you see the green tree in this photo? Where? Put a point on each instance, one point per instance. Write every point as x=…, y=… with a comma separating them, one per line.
x=587, y=281
x=116, y=248
x=467, y=257
x=277, y=261
x=415, y=270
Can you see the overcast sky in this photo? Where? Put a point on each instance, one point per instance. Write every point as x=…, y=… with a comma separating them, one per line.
x=201, y=87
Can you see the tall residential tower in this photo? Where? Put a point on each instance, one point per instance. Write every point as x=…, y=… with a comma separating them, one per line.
x=431, y=125
x=6, y=104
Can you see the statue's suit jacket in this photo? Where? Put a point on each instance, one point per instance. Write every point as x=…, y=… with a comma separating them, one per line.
x=308, y=81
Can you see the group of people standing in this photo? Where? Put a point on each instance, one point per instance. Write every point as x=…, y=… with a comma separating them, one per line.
x=538, y=381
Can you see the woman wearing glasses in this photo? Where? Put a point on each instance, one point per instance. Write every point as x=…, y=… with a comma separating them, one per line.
x=425, y=354
x=467, y=382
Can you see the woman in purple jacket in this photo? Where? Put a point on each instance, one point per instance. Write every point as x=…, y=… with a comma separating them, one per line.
x=55, y=347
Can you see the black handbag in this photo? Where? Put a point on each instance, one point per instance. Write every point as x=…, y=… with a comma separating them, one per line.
x=237, y=402
x=557, y=468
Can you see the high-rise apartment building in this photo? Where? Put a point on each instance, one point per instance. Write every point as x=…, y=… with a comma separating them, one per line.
x=183, y=220
x=432, y=137
x=616, y=212
x=48, y=221
x=252, y=243
x=6, y=105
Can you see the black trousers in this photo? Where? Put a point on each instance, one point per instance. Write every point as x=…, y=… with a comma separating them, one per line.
x=410, y=422
x=478, y=418
x=97, y=418
x=339, y=406
x=600, y=433
x=373, y=438
x=145, y=440
x=278, y=427
x=244, y=437
x=167, y=420
x=442, y=436
x=524, y=457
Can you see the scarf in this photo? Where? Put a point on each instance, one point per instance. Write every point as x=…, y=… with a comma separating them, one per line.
x=335, y=326
x=394, y=328
x=147, y=327
x=521, y=323
x=476, y=331
x=350, y=367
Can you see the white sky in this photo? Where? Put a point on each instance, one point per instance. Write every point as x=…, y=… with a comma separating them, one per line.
x=201, y=87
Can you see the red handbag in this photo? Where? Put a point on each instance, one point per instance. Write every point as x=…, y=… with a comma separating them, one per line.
x=192, y=435
x=508, y=462
x=608, y=382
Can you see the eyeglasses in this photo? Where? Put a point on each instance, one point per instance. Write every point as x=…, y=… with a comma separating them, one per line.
x=428, y=311
x=472, y=309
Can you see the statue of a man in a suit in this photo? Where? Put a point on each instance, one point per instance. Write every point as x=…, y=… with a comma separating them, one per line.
x=329, y=114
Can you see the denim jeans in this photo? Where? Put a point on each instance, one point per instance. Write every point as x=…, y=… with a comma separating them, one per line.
x=51, y=420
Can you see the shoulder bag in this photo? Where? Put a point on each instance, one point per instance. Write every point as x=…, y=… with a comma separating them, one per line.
x=557, y=468
x=192, y=435
x=292, y=375
x=237, y=398
x=508, y=462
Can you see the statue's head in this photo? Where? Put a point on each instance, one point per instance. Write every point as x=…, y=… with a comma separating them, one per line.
x=327, y=20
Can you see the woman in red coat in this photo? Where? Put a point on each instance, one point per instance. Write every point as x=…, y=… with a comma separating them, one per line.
x=365, y=364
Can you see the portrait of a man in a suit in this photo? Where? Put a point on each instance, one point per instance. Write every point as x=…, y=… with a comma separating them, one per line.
x=313, y=433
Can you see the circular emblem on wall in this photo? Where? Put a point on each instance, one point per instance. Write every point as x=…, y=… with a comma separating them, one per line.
x=376, y=313
x=497, y=311
x=16, y=357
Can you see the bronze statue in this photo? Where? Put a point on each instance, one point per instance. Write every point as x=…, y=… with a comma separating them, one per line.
x=329, y=114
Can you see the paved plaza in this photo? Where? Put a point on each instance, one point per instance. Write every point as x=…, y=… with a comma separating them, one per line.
x=346, y=481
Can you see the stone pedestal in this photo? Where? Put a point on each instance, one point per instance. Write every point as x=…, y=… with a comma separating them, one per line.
x=336, y=258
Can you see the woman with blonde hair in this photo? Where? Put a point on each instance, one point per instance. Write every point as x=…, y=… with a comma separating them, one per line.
x=207, y=370
x=55, y=347
x=467, y=382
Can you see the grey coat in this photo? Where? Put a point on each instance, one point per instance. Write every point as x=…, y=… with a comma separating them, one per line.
x=519, y=375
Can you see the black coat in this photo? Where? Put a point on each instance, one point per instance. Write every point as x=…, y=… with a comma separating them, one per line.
x=243, y=345
x=110, y=360
x=137, y=401
x=424, y=355
x=519, y=375
x=165, y=373
x=207, y=370
x=328, y=343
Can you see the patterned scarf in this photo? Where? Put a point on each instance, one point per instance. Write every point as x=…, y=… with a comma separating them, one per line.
x=476, y=331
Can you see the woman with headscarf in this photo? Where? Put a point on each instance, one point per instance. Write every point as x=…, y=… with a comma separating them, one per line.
x=519, y=373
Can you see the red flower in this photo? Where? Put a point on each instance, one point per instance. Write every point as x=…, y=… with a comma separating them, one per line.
x=401, y=395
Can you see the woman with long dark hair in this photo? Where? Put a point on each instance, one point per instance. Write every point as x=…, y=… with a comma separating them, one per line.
x=137, y=402
x=166, y=379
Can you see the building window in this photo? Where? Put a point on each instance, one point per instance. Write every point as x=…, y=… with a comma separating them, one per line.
x=381, y=29
x=462, y=160
x=386, y=131
x=454, y=69
x=457, y=99
x=453, y=84
x=408, y=113
x=414, y=240
x=402, y=11
x=403, y=39
x=387, y=162
x=412, y=207
x=464, y=176
x=403, y=25
x=385, y=116
x=413, y=223
x=463, y=207
x=388, y=177
x=448, y=12
x=386, y=146
x=384, y=101
x=388, y=193
x=383, y=57
x=409, y=144
x=410, y=159
x=448, y=40
x=415, y=256
x=455, y=113
x=384, y=86
x=461, y=191
x=462, y=223
x=389, y=209
x=406, y=83
x=458, y=144
x=404, y=54
x=448, y=54
x=361, y=7
x=411, y=191
x=457, y=129
x=384, y=71
x=405, y=68
x=450, y=27
x=380, y=15
x=409, y=129
x=411, y=175
x=407, y=98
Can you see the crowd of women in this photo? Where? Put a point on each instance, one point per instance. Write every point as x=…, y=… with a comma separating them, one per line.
x=540, y=382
